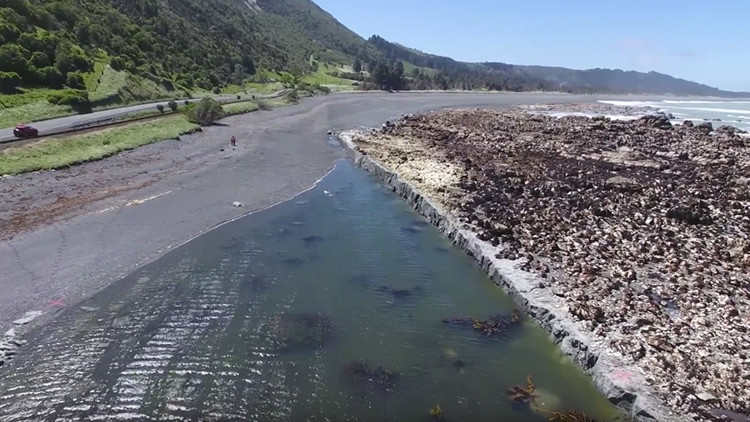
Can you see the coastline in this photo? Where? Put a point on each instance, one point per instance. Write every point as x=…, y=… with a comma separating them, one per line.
x=91, y=224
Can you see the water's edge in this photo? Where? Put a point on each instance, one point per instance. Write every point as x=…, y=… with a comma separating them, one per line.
x=621, y=383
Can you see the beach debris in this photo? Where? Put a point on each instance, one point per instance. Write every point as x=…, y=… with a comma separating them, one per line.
x=89, y=308
x=300, y=330
x=238, y=204
x=28, y=317
x=497, y=325
x=523, y=394
x=10, y=333
x=377, y=377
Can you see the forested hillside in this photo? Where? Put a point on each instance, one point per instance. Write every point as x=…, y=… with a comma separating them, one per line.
x=202, y=43
x=81, y=53
x=619, y=81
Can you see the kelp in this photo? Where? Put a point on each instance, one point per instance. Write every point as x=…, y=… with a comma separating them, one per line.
x=494, y=326
x=301, y=331
x=525, y=396
x=377, y=377
x=570, y=416
x=436, y=413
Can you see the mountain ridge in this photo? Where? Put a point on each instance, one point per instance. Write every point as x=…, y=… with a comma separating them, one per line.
x=211, y=44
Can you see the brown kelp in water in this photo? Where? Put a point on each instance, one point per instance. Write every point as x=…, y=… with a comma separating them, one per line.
x=301, y=331
x=497, y=325
x=378, y=377
x=525, y=396
x=570, y=416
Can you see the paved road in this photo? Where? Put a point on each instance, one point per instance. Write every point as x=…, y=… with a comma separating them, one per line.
x=281, y=153
x=51, y=126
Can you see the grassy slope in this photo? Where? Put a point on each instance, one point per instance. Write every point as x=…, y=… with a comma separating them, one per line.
x=241, y=108
x=58, y=153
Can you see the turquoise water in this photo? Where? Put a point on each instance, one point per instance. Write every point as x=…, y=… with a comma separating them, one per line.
x=733, y=113
x=262, y=319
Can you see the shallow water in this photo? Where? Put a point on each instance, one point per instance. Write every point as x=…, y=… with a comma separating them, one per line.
x=200, y=333
x=719, y=113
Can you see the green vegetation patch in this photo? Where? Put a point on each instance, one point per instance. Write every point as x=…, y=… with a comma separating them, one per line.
x=241, y=108
x=53, y=153
x=109, y=83
x=32, y=112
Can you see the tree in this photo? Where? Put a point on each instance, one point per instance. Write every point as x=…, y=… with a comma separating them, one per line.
x=39, y=59
x=357, y=66
x=49, y=76
x=205, y=112
x=160, y=107
x=12, y=59
x=75, y=80
x=9, y=81
x=172, y=105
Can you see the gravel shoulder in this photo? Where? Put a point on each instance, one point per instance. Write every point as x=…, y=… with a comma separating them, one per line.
x=636, y=231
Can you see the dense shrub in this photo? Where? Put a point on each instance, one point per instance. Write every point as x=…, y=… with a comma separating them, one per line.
x=172, y=105
x=50, y=77
x=68, y=97
x=205, y=112
x=9, y=81
x=160, y=107
x=75, y=80
x=39, y=59
x=13, y=59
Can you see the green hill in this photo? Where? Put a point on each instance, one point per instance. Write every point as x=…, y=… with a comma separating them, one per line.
x=57, y=56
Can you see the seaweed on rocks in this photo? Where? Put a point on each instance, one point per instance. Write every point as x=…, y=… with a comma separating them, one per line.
x=377, y=377
x=494, y=326
x=300, y=331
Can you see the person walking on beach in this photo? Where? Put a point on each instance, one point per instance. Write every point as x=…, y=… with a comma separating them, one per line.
x=233, y=141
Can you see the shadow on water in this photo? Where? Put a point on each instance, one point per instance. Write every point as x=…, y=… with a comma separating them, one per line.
x=340, y=316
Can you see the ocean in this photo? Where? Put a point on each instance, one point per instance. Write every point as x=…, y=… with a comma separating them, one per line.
x=732, y=113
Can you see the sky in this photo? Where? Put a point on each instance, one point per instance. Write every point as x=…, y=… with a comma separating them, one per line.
x=703, y=41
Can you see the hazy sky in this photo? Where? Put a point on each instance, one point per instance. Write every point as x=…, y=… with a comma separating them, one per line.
x=703, y=41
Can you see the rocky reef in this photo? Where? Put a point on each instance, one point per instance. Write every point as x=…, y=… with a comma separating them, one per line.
x=640, y=229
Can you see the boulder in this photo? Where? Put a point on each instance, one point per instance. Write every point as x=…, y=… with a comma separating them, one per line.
x=729, y=130
x=705, y=127
x=659, y=121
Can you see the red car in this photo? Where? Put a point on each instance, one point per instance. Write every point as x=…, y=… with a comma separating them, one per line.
x=25, y=131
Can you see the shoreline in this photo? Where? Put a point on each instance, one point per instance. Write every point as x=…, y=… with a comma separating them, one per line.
x=612, y=377
x=94, y=223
